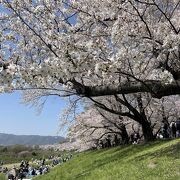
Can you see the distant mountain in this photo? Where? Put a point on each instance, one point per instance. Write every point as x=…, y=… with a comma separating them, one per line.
x=11, y=139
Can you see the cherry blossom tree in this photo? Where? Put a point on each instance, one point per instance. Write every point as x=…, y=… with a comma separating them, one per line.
x=114, y=112
x=95, y=125
x=92, y=48
x=142, y=110
x=166, y=109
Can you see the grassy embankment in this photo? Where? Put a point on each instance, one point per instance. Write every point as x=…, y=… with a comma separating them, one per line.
x=154, y=161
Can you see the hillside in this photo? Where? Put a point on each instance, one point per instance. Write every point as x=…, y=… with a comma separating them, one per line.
x=155, y=161
x=10, y=139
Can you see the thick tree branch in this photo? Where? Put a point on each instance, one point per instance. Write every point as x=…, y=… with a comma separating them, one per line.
x=156, y=88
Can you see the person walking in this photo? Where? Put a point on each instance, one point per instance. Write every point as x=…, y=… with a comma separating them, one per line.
x=173, y=129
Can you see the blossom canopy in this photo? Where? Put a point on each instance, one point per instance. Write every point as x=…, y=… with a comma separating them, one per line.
x=91, y=47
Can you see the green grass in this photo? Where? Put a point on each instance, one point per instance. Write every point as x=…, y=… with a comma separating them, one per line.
x=2, y=177
x=153, y=161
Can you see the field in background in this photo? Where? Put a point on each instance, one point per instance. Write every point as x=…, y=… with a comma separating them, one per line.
x=17, y=153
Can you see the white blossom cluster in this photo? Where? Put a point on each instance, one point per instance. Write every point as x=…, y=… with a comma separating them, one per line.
x=87, y=128
x=49, y=43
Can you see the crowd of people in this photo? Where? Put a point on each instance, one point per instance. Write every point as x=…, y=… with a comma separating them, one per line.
x=169, y=130
x=37, y=167
x=116, y=140
x=109, y=141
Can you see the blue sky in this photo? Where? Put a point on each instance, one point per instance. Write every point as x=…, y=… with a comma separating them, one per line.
x=16, y=118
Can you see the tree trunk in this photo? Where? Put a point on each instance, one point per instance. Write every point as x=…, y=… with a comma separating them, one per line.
x=124, y=135
x=147, y=131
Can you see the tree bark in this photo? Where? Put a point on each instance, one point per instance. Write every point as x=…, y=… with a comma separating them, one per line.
x=147, y=131
x=157, y=89
x=124, y=135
